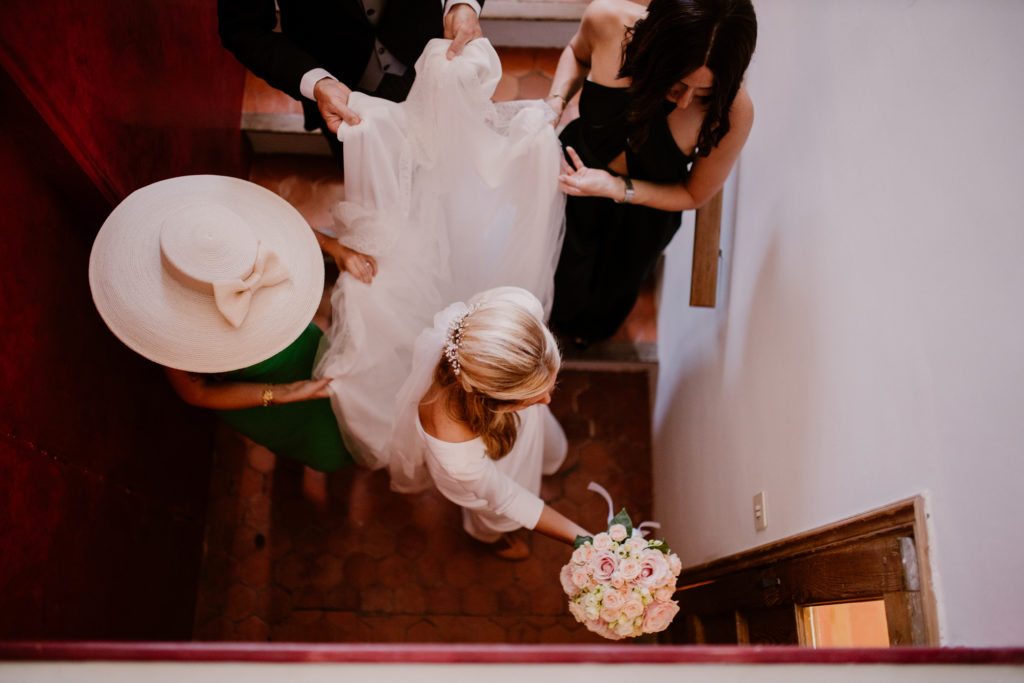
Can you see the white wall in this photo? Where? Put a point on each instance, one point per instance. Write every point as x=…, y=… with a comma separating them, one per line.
x=870, y=345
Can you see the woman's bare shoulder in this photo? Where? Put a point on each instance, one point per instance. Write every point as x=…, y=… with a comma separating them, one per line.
x=604, y=18
x=438, y=423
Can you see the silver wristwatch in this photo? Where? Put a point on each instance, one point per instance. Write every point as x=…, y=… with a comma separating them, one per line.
x=628, y=197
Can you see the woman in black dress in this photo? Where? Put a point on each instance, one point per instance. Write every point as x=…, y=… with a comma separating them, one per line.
x=663, y=117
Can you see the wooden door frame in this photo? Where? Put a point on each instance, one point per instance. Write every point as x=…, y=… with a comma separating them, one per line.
x=896, y=533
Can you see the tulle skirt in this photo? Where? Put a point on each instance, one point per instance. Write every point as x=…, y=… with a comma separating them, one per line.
x=452, y=195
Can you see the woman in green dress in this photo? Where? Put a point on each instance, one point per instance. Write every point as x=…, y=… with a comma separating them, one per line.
x=217, y=280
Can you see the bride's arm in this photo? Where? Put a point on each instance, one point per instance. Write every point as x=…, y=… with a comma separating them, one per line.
x=559, y=527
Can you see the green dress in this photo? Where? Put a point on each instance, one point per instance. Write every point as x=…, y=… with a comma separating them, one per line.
x=306, y=431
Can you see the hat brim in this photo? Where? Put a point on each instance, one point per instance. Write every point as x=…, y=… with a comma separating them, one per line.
x=171, y=324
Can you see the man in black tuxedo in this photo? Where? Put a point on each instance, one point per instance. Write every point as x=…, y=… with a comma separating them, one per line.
x=327, y=48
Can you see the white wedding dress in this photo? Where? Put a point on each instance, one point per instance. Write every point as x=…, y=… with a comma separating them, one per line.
x=452, y=195
x=496, y=496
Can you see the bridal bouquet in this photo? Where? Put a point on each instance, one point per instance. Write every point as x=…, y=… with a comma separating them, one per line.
x=620, y=584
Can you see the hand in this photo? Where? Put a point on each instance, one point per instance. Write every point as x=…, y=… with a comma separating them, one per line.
x=579, y=181
x=361, y=266
x=303, y=390
x=461, y=25
x=332, y=100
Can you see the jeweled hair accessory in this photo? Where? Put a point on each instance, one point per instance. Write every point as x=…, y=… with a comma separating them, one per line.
x=455, y=330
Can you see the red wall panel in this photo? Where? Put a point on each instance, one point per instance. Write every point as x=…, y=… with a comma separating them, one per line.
x=105, y=471
x=137, y=91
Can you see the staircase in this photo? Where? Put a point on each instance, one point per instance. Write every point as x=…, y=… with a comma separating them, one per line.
x=293, y=555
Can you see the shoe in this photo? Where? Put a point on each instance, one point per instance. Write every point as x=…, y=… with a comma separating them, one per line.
x=511, y=548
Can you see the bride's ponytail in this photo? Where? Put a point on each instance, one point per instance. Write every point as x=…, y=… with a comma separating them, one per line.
x=498, y=356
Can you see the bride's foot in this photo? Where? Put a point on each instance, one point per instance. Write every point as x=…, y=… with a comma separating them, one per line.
x=510, y=547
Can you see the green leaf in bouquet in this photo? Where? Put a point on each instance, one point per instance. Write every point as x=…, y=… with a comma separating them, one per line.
x=659, y=545
x=580, y=540
x=623, y=519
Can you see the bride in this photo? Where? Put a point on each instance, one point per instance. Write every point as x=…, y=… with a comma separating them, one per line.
x=473, y=419
x=450, y=194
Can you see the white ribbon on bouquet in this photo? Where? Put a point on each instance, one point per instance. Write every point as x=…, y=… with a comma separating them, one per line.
x=643, y=527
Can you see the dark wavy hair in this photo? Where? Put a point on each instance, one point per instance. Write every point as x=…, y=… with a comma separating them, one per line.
x=676, y=38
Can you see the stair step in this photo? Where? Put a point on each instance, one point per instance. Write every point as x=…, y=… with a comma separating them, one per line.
x=611, y=354
x=282, y=133
x=273, y=122
x=531, y=23
x=534, y=10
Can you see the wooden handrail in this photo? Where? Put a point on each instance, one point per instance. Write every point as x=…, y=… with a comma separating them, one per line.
x=706, y=236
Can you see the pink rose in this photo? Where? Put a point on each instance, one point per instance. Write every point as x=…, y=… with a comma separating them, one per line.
x=674, y=564
x=636, y=544
x=580, y=576
x=602, y=541
x=625, y=628
x=665, y=593
x=609, y=614
x=576, y=609
x=617, y=581
x=633, y=608
x=629, y=568
x=654, y=570
x=579, y=556
x=601, y=628
x=613, y=599
x=568, y=585
x=603, y=565
x=617, y=532
x=659, y=615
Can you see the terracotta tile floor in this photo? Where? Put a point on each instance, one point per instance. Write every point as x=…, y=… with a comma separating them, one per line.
x=340, y=558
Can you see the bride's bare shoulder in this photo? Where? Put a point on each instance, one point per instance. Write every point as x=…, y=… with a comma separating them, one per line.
x=438, y=422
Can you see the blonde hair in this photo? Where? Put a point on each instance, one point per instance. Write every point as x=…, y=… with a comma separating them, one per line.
x=505, y=356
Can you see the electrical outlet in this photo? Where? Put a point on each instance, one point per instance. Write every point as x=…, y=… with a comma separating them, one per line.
x=760, y=512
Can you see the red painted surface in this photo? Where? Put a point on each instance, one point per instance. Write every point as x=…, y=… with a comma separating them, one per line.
x=105, y=471
x=499, y=654
x=137, y=91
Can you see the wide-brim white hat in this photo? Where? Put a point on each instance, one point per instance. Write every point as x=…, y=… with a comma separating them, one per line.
x=206, y=273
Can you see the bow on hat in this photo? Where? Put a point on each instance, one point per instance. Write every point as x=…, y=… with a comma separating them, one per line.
x=233, y=297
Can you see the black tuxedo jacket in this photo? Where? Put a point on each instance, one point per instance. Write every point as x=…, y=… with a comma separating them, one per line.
x=330, y=34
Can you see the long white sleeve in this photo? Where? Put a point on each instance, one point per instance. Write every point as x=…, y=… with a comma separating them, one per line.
x=465, y=475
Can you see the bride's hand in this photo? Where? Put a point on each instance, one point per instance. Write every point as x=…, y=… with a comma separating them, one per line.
x=579, y=181
x=361, y=266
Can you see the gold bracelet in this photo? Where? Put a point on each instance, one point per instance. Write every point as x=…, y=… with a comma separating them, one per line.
x=268, y=396
x=565, y=102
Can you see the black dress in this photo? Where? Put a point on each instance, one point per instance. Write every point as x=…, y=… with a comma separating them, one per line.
x=610, y=249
